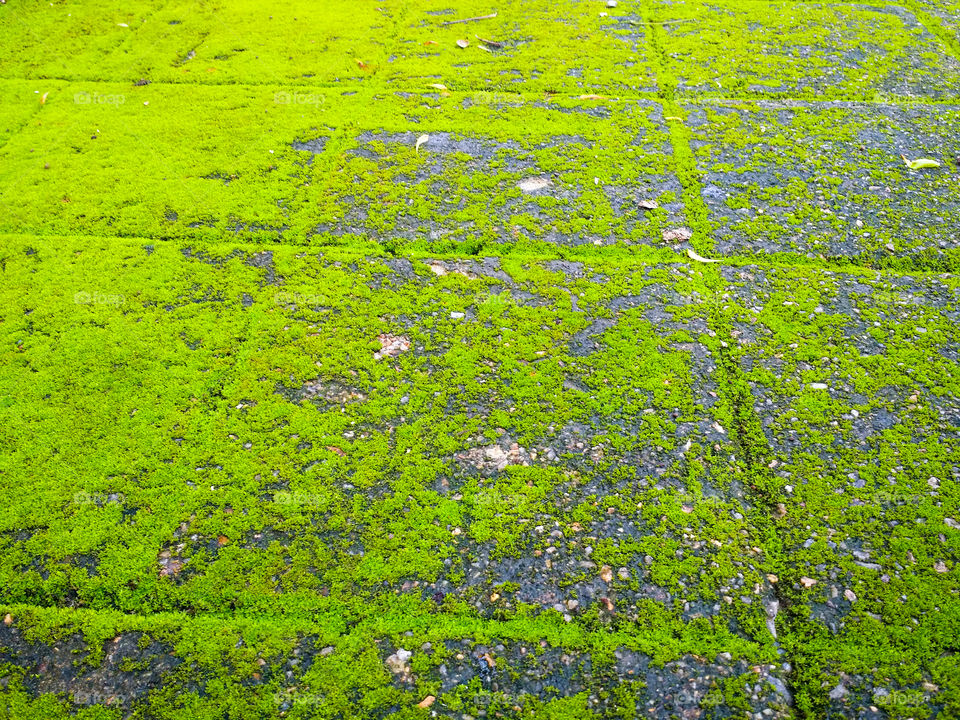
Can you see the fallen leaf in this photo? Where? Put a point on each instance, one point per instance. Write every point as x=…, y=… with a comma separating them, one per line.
x=420, y=141
x=649, y=204
x=335, y=449
x=606, y=574
x=682, y=234
x=426, y=702
x=920, y=163
x=807, y=582
x=673, y=117
x=43, y=99
x=533, y=184
x=699, y=258
x=438, y=86
x=463, y=43
x=391, y=345
x=431, y=42
x=593, y=97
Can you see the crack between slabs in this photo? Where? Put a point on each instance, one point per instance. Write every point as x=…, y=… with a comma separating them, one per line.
x=895, y=266
x=932, y=25
x=808, y=698
x=695, y=97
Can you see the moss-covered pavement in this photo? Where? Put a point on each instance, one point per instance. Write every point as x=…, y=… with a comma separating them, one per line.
x=606, y=367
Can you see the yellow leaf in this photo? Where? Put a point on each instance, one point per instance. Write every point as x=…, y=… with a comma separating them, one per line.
x=699, y=258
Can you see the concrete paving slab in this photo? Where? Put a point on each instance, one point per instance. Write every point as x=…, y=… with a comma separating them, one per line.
x=729, y=48
x=346, y=169
x=853, y=383
x=829, y=179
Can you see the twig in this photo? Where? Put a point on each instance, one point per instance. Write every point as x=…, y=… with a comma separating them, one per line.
x=481, y=17
x=491, y=43
x=671, y=22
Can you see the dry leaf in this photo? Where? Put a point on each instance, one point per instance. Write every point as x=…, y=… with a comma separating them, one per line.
x=463, y=43
x=682, y=234
x=438, y=86
x=533, y=184
x=431, y=42
x=649, y=204
x=335, y=449
x=921, y=163
x=420, y=141
x=593, y=97
x=426, y=702
x=699, y=258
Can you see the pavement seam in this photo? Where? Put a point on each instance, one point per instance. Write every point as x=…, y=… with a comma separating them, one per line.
x=894, y=266
x=684, y=95
x=730, y=382
x=932, y=25
x=808, y=699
